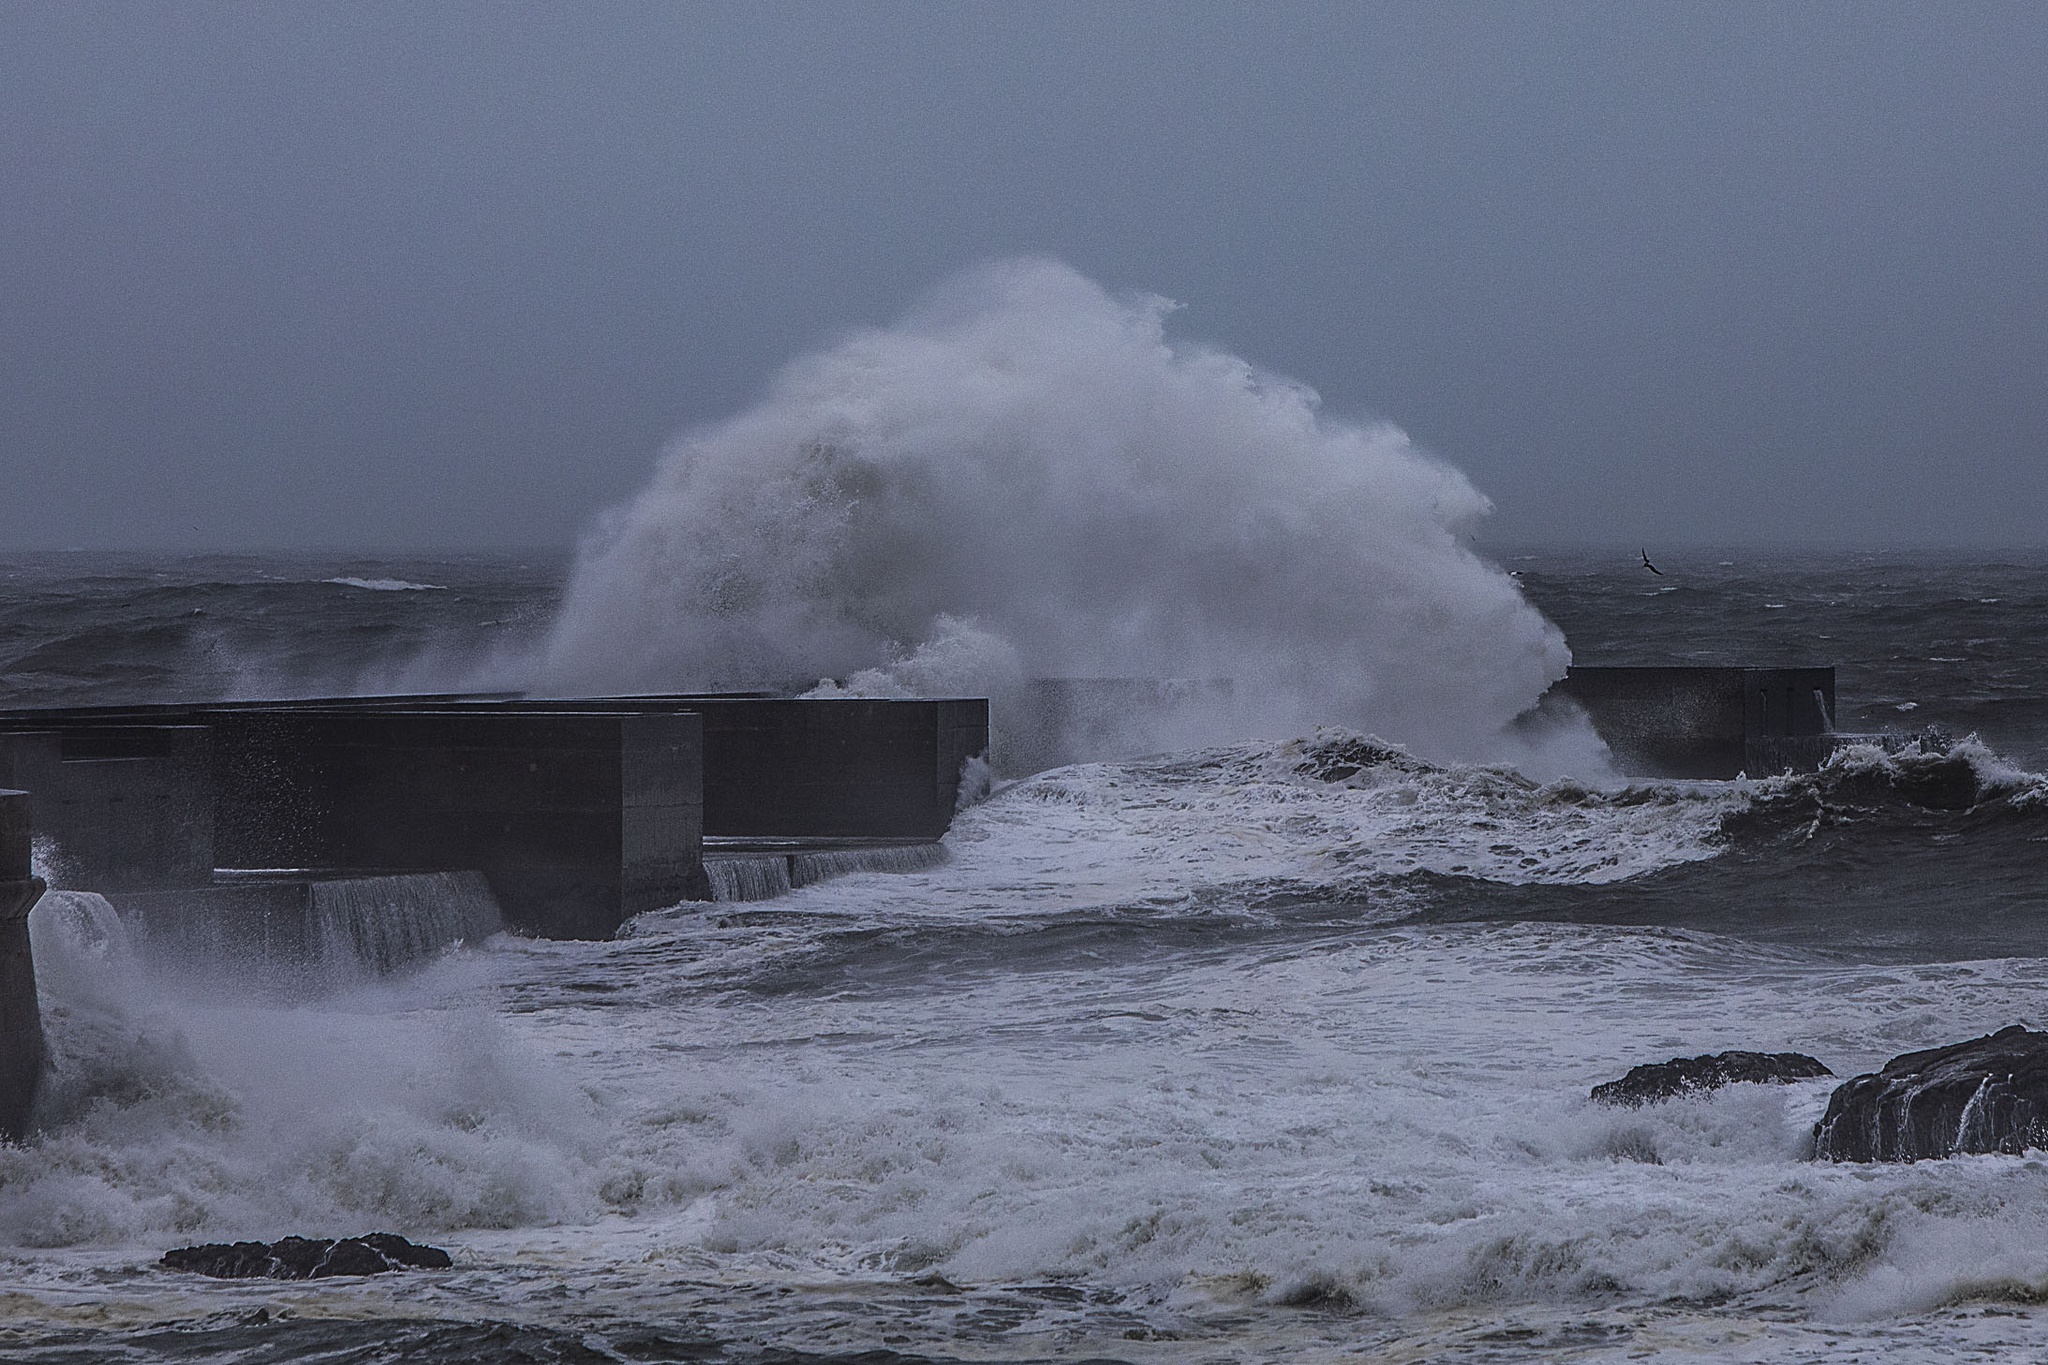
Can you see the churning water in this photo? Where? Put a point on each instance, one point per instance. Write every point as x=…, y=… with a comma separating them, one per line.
x=1262, y=1048
x=1273, y=1049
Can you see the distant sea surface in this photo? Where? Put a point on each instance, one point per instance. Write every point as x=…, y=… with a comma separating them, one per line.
x=1197, y=1057
x=82, y=628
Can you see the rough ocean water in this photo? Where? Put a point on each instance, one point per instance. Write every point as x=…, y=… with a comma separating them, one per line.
x=1271, y=1050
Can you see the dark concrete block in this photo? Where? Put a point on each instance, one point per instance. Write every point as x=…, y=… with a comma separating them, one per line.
x=17, y=836
x=23, y=1051
x=579, y=818
x=822, y=768
x=837, y=768
x=127, y=806
x=1712, y=723
x=963, y=734
x=580, y=811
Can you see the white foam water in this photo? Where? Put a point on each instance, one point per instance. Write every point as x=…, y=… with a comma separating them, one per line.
x=1084, y=1088
x=385, y=585
x=1025, y=478
x=168, y=1112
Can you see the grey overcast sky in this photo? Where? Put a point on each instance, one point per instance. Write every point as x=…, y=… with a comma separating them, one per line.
x=447, y=275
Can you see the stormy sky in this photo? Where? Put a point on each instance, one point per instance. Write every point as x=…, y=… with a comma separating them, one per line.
x=441, y=275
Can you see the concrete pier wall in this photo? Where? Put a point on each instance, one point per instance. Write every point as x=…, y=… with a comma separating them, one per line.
x=129, y=806
x=819, y=768
x=1713, y=723
x=773, y=766
x=578, y=820
x=581, y=812
x=23, y=1052
x=842, y=768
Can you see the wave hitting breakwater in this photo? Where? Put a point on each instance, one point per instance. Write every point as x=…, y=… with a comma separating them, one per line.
x=1026, y=479
x=1263, y=1049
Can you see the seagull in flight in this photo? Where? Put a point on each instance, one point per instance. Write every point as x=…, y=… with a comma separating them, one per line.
x=1648, y=565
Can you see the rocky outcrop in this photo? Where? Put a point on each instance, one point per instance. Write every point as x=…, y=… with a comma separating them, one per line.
x=307, y=1258
x=1691, y=1075
x=1987, y=1095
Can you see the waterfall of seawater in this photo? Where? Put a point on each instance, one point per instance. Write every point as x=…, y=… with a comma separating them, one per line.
x=377, y=925
x=311, y=936
x=764, y=876
x=758, y=878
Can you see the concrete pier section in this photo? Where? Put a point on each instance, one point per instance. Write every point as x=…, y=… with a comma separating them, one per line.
x=579, y=812
x=23, y=1051
x=1712, y=723
x=129, y=805
x=578, y=820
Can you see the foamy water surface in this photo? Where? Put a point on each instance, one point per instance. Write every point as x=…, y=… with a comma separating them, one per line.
x=1165, y=1061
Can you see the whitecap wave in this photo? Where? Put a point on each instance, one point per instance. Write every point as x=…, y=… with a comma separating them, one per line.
x=386, y=585
x=1026, y=479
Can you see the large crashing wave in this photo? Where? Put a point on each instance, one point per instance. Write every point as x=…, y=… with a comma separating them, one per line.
x=1024, y=478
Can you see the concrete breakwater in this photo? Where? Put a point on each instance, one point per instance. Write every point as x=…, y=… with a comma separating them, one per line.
x=23, y=1052
x=578, y=813
x=1712, y=723
x=289, y=825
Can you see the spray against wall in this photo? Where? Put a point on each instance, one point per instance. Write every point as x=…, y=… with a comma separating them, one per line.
x=1024, y=478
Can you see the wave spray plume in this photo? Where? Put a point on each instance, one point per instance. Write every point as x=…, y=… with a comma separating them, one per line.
x=1025, y=478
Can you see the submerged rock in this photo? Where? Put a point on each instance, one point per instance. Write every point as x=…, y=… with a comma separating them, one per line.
x=307, y=1258
x=1987, y=1095
x=1690, y=1075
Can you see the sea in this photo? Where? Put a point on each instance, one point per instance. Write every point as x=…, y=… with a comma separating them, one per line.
x=1276, y=1049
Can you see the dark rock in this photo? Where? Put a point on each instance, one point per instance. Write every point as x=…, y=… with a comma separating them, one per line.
x=1987, y=1095
x=1691, y=1075
x=307, y=1258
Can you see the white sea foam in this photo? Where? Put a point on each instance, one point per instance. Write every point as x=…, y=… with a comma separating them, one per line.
x=1393, y=1128
x=1025, y=478
x=1325, y=814
x=386, y=585
x=405, y=1103
x=1056, y=1059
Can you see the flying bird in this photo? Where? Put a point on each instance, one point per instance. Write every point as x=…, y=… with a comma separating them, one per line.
x=1648, y=565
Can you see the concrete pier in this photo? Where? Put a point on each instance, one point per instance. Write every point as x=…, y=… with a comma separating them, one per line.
x=580, y=812
x=1712, y=723
x=579, y=820
x=23, y=1052
x=128, y=806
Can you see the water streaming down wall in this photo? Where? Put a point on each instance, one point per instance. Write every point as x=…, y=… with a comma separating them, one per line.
x=759, y=876
x=303, y=934
x=815, y=865
x=387, y=924
x=743, y=877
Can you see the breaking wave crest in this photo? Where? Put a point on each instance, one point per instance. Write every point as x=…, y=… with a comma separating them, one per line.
x=1025, y=478
x=168, y=1117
